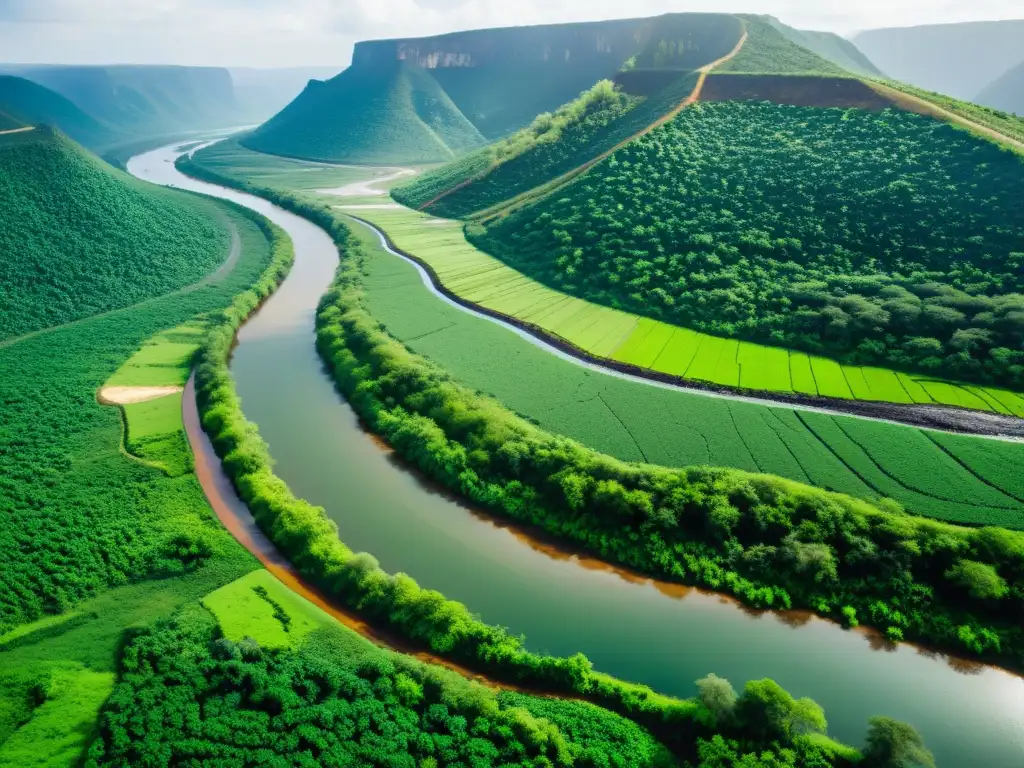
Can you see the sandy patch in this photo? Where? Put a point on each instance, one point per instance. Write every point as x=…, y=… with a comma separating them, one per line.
x=130, y=395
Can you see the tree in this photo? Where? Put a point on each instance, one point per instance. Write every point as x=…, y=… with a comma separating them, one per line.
x=981, y=580
x=769, y=712
x=892, y=744
x=718, y=695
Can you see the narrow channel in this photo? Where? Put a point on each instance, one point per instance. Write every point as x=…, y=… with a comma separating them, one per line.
x=968, y=714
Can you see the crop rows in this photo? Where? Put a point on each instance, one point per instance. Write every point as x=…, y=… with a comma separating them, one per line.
x=655, y=345
x=638, y=422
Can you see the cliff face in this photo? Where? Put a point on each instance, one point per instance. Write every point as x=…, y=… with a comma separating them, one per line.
x=609, y=42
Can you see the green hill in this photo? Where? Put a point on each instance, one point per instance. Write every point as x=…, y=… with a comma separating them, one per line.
x=1006, y=93
x=24, y=102
x=871, y=237
x=145, y=99
x=955, y=59
x=78, y=238
x=393, y=113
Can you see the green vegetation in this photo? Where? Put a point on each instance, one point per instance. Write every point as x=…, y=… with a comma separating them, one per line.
x=393, y=113
x=104, y=541
x=770, y=542
x=903, y=254
x=577, y=133
x=627, y=339
x=770, y=52
x=1003, y=122
x=80, y=238
x=357, y=704
x=23, y=102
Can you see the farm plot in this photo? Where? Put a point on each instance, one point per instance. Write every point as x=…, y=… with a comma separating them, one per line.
x=638, y=422
x=660, y=347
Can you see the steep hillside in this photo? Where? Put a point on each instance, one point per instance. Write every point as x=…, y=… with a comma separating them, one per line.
x=955, y=59
x=78, y=238
x=389, y=113
x=145, y=99
x=26, y=103
x=262, y=93
x=769, y=51
x=888, y=238
x=830, y=46
x=1005, y=93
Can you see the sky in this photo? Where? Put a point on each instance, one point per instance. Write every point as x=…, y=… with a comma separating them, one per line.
x=280, y=33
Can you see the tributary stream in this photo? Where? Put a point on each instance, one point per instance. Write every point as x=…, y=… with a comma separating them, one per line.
x=661, y=635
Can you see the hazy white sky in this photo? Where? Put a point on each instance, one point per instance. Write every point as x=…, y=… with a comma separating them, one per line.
x=321, y=32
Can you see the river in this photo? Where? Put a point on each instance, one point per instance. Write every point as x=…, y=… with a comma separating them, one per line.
x=969, y=715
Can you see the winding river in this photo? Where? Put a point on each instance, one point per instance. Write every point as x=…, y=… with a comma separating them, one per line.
x=664, y=636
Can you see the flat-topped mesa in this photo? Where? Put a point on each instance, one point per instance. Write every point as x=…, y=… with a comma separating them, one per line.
x=610, y=42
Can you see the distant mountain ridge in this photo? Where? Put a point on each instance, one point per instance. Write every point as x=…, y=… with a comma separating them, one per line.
x=1005, y=92
x=954, y=59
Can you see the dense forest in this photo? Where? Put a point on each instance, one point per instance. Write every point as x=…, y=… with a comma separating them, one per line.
x=189, y=694
x=886, y=238
x=80, y=238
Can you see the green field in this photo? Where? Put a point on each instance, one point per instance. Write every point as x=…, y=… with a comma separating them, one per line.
x=610, y=333
x=639, y=422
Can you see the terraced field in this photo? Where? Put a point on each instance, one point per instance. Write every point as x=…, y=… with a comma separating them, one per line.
x=656, y=346
x=946, y=476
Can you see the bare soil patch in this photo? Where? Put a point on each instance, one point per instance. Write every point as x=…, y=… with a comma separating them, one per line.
x=131, y=395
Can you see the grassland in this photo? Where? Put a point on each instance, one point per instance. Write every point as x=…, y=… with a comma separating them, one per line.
x=604, y=332
x=81, y=238
x=768, y=51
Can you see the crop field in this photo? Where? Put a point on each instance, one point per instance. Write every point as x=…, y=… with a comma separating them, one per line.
x=653, y=344
x=261, y=607
x=951, y=477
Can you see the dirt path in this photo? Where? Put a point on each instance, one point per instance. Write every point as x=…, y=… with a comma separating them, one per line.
x=366, y=187
x=913, y=103
x=508, y=206
x=18, y=130
x=234, y=254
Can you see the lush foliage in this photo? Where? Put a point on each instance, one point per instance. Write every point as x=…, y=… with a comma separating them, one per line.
x=311, y=543
x=79, y=238
x=768, y=51
x=888, y=238
x=546, y=148
x=391, y=114
x=331, y=701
